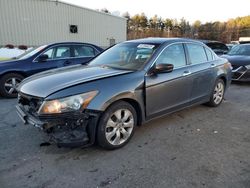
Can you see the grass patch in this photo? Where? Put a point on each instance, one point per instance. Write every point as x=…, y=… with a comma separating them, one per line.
x=3, y=59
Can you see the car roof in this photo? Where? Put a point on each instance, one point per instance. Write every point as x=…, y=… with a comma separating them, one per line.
x=62, y=43
x=159, y=41
x=244, y=44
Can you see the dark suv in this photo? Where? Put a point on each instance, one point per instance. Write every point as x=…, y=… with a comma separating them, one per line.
x=40, y=59
x=125, y=86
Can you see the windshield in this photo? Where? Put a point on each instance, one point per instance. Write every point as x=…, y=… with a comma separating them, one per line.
x=31, y=52
x=240, y=50
x=129, y=56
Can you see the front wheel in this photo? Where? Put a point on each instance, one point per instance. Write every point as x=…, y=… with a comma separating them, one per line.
x=217, y=96
x=9, y=84
x=116, y=125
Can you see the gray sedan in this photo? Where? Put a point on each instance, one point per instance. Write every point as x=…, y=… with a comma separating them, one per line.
x=126, y=85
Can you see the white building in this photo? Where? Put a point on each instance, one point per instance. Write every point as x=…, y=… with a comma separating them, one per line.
x=36, y=22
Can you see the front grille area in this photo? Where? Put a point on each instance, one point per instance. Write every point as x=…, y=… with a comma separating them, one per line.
x=236, y=75
x=239, y=72
x=235, y=67
x=31, y=104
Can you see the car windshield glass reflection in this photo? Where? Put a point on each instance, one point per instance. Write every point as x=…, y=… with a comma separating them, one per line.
x=129, y=56
x=31, y=52
x=240, y=50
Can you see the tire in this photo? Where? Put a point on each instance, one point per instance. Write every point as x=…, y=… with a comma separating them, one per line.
x=122, y=120
x=217, y=95
x=9, y=84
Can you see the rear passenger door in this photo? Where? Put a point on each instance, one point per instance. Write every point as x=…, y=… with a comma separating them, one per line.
x=83, y=53
x=201, y=67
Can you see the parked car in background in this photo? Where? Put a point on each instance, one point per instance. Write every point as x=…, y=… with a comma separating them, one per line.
x=43, y=58
x=244, y=40
x=239, y=57
x=127, y=85
x=230, y=46
x=218, y=47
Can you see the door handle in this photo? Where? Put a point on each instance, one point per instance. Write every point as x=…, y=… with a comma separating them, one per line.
x=212, y=65
x=186, y=73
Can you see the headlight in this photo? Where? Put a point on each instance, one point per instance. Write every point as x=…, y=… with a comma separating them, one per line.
x=67, y=104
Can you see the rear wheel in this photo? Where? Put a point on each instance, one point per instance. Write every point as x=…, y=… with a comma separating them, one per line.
x=9, y=84
x=116, y=125
x=217, y=96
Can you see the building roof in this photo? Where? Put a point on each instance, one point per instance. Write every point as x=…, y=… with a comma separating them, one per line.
x=81, y=7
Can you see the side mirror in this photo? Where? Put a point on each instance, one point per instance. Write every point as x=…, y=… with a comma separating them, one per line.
x=43, y=57
x=163, y=68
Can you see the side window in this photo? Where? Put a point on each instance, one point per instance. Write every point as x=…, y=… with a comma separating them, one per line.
x=223, y=47
x=173, y=54
x=210, y=56
x=62, y=52
x=50, y=53
x=84, y=51
x=212, y=46
x=196, y=53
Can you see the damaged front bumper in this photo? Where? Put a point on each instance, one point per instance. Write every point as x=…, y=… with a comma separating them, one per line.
x=67, y=130
x=241, y=73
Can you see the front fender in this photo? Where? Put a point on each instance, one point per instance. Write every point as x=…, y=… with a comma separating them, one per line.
x=136, y=96
x=127, y=86
x=225, y=71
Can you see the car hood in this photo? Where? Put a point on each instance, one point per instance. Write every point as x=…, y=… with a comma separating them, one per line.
x=45, y=83
x=238, y=60
x=9, y=62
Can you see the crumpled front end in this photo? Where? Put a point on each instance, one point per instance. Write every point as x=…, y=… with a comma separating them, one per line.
x=241, y=73
x=71, y=129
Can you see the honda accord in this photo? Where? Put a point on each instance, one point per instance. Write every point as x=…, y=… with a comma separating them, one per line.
x=125, y=86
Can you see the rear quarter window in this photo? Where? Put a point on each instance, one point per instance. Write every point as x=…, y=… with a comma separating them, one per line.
x=210, y=56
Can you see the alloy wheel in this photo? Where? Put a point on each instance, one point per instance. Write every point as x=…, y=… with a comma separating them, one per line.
x=11, y=85
x=119, y=127
x=218, y=93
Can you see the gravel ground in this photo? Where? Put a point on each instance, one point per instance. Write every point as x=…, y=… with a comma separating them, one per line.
x=196, y=147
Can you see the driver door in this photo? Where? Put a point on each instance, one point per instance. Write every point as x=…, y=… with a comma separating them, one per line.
x=58, y=56
x=166, y=92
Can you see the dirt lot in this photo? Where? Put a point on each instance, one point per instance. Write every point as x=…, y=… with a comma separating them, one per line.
x=197, y=147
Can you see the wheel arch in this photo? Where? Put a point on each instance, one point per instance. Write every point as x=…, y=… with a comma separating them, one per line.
x=223, y=77
x=135, y=104
x=14, y=72
x=137, y=108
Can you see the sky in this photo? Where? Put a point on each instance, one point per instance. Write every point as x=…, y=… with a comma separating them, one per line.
x=191, y=10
